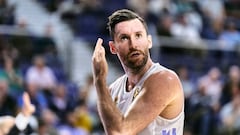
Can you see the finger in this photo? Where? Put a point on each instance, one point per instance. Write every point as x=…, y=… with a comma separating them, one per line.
x=26, y=98
x=99, y=51
x=99, y=43
x=28, y=108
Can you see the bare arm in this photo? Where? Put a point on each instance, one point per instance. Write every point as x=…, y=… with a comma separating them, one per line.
x=7, y=122
x=159, y=93
x=22, y=119
x=108, y=112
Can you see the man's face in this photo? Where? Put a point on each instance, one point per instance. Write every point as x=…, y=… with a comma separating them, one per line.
x=39, y=62
x=131, y=44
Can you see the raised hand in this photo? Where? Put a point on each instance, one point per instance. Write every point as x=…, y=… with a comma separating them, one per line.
x=99, y=63
x=28, y=109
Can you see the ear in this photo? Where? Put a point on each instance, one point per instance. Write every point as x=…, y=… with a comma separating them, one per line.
x=112, y=47
x=149, y=41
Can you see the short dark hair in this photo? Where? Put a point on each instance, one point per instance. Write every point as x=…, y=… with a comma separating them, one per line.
x=121, y=16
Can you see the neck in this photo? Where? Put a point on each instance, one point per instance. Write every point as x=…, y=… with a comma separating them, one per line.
x=134, y=77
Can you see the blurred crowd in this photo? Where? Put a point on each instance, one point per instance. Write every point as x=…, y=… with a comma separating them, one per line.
x=193, y=19
x=212, y=105
x=62, y=107
x=212, y=98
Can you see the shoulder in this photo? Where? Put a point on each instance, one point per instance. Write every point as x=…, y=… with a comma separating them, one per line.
x=31, y=69
x=165, y=87
x=164, y=81
x=47, y=69
x=164, y=76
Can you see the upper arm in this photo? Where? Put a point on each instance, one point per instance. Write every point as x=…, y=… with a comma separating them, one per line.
x=159, y=92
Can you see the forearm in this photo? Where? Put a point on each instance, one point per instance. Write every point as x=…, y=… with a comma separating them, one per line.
x=110, y=116
x=6, y=123
x=13, y=126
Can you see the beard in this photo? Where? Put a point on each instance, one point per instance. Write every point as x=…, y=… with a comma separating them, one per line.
x=136, y=64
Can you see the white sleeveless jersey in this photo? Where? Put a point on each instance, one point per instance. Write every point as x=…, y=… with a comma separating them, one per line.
x=123, y=99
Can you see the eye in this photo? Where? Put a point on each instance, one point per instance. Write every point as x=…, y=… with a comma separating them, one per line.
x=138, y=35
x=123, y=38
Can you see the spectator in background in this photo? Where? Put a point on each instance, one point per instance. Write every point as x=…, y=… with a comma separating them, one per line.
x=230, y=35
x=18, y=125
x=60, y=102
x=213, y=18
x=37, y=98
x=230, y=115
x=6, y=13
x=40, y=74
x=183, y=30
x=7, y=50
x=230, y=41
x=47, y=123
x=142, y=8
x=189, y=90
x=158, y=6
x=164, y=25
x=11, y=73
x=191, y=12
x=212, y=85
x=69, y=127
x=51, y=56
x=83, y=118
x=187, y=84
x=8, y=105
x=205, y=103
x=230, y=85
x=88, y=95
x=199, y=113
x=217, y=11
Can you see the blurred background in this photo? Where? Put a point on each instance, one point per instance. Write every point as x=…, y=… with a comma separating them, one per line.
x=46, y=48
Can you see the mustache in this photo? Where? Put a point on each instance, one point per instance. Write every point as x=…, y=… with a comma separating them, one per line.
x=134, y=51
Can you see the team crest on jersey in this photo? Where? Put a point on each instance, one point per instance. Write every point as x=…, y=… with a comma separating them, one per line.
x=116, y=100
x=136, y=92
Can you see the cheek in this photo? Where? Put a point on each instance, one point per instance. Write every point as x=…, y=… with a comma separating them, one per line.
x=146, y=43
x=122, y=54
x=142, y=43
x=122, y=49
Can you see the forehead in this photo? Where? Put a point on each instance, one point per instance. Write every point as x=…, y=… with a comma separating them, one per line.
x=128, y=27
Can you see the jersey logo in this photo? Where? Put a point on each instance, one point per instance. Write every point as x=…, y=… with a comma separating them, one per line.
x=169, y=132
x=116, y=100
x=136, y=92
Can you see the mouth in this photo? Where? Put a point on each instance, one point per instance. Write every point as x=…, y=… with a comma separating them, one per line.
x=135, y=54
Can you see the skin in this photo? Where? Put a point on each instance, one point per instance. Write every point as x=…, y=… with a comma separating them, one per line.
x=28, y=109
x=162, y=92
x=7, y=122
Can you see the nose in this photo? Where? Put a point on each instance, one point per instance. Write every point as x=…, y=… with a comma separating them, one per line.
x=132, y=43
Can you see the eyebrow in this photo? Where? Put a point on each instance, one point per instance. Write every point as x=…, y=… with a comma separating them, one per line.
x=124, y=34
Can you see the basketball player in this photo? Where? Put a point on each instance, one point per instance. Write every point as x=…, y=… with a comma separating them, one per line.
x=148, y=99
